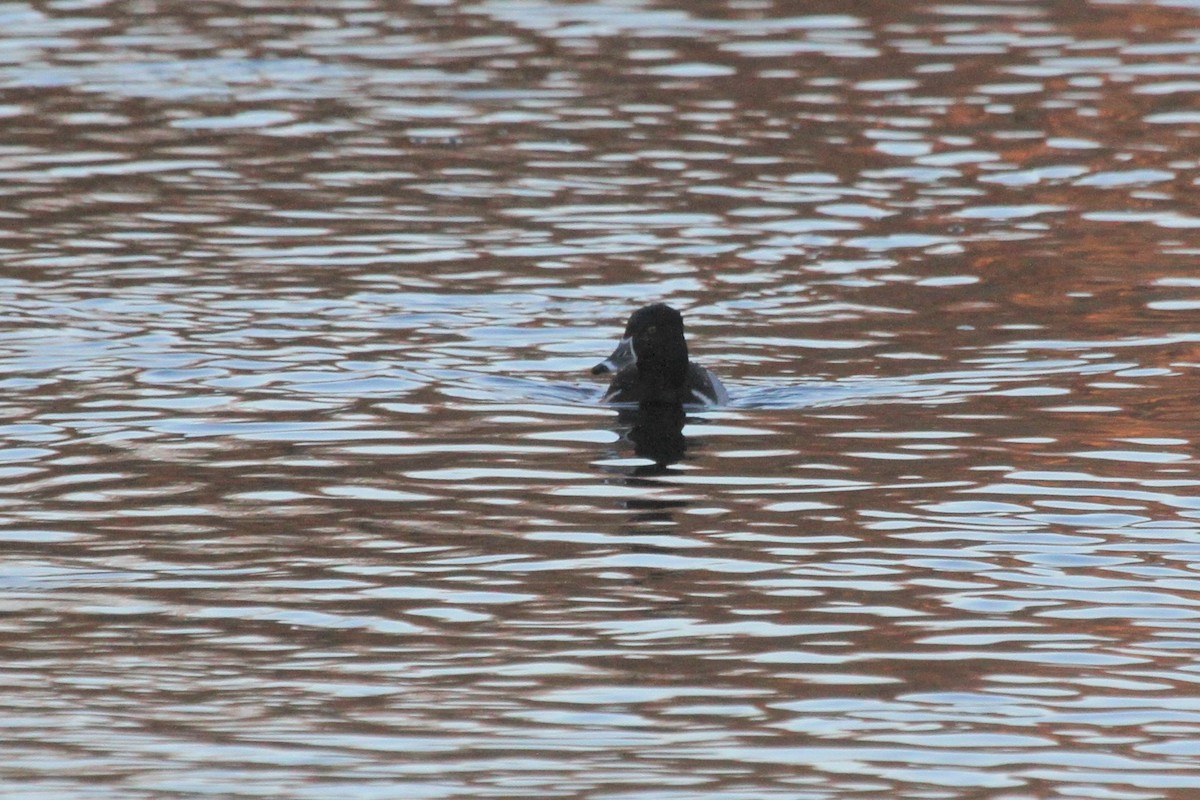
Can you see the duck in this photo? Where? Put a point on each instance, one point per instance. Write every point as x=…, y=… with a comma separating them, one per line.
x=650, y=365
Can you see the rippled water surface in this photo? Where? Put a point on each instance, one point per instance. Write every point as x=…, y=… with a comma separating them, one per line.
x=306, y=491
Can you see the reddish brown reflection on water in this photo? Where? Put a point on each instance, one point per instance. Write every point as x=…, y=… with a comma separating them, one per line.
x=305, y=490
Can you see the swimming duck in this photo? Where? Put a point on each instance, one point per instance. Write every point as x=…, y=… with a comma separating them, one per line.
x=651, y=363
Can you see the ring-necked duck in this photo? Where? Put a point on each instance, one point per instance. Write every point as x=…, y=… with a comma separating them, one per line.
x=651, y=363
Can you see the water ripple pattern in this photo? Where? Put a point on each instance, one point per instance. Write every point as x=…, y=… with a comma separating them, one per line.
x=306, y=491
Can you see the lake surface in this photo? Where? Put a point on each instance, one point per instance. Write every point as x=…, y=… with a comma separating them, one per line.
x=306, y=491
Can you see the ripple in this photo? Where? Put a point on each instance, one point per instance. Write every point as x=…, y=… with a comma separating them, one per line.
x=304, y=470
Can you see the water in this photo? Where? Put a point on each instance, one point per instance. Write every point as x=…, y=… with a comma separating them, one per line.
x=306, y=491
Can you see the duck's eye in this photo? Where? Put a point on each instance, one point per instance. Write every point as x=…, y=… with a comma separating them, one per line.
x=651, y=330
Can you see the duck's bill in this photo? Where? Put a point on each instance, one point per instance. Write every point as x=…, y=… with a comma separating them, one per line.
x=622, y=357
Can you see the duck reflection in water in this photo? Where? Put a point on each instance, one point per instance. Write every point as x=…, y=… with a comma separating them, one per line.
x=656, y=433
x=654, y=380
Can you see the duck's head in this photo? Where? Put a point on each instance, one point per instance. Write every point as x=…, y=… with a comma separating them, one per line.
x=654, y=341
